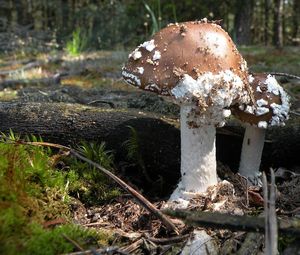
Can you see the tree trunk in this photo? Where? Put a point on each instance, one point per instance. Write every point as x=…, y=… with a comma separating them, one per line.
x=278, y=36
x=267, y=6
x=296, y=21
x=243, y=22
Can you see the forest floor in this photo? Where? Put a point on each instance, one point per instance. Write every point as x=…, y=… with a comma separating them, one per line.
x=52, y=203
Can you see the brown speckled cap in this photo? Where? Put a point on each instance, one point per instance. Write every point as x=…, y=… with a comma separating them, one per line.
x=272, y=103
x=192, y=48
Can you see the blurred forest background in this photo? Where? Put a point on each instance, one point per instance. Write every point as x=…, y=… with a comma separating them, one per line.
x=111, y=24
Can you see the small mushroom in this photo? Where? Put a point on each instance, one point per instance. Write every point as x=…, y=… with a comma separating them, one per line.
x=202, y=72
x=272, y=108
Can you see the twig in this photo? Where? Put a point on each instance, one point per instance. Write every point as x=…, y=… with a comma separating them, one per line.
x=295, y=113
x=139, y=197
x=266, y=215
x=272, y=216
x=285, y=74
x=271, y=229
x=77, y=245
x=171, y=240
x=296, y=210
x=111, y=104
x=133, y=246
x=107, y=250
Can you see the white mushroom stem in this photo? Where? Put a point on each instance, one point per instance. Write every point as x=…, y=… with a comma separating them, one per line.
x=252, y=148
x=198, y=158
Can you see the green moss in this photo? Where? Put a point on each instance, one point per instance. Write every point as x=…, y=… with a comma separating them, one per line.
x=33, y=192
x=91, y=185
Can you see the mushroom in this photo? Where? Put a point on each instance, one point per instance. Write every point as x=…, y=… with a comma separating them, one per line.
x=272, y=108
x=199, y=67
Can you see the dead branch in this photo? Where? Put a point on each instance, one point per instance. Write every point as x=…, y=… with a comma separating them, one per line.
x=271, y=231
x=166, y=241
x=133, y=246
x=76, y=245
x=233, y=222
x=285, y=74
x=107, y=250
x=27, y=66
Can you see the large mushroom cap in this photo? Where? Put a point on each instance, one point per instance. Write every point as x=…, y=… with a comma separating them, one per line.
x=192, y=48
x=271, y=100
x=195, y=63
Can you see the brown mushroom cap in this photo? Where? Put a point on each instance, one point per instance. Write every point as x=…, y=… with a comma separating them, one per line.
x=272, y=103
x=191, y=48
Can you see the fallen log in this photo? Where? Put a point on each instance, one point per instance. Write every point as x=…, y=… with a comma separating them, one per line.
x=68, y=124
x=159, y=138
x=13, y=84
x=234, y=222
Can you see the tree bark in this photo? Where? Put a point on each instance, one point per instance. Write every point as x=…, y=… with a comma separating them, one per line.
x=278, y=35
x=243, y=22
x=66, y=123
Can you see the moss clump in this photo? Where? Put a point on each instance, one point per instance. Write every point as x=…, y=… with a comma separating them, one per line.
x=91, y=185
x=32, y=192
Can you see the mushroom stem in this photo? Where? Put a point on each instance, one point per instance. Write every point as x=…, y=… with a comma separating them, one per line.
x=252, y=148
x=198, y=158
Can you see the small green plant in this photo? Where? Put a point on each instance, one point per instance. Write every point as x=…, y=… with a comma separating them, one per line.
x=78, y=43
x=132, y=145
x=155, y=21
x=92, y=186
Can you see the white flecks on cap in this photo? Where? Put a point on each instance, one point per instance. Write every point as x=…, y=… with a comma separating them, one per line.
x=242, y=107
x=152, y=87
x=250, y=78
x=140, y=70
x=273, y=86
x=261, y=111
x=136, y=54
x=262, y=124
x=280, y=111
x=261, y=102
x=148, y=45
x=226, y=113
x=218, y=43
x=244, y=66
x=258, y=89
x=249, y=109
x=156, y=55
x=129, y=76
